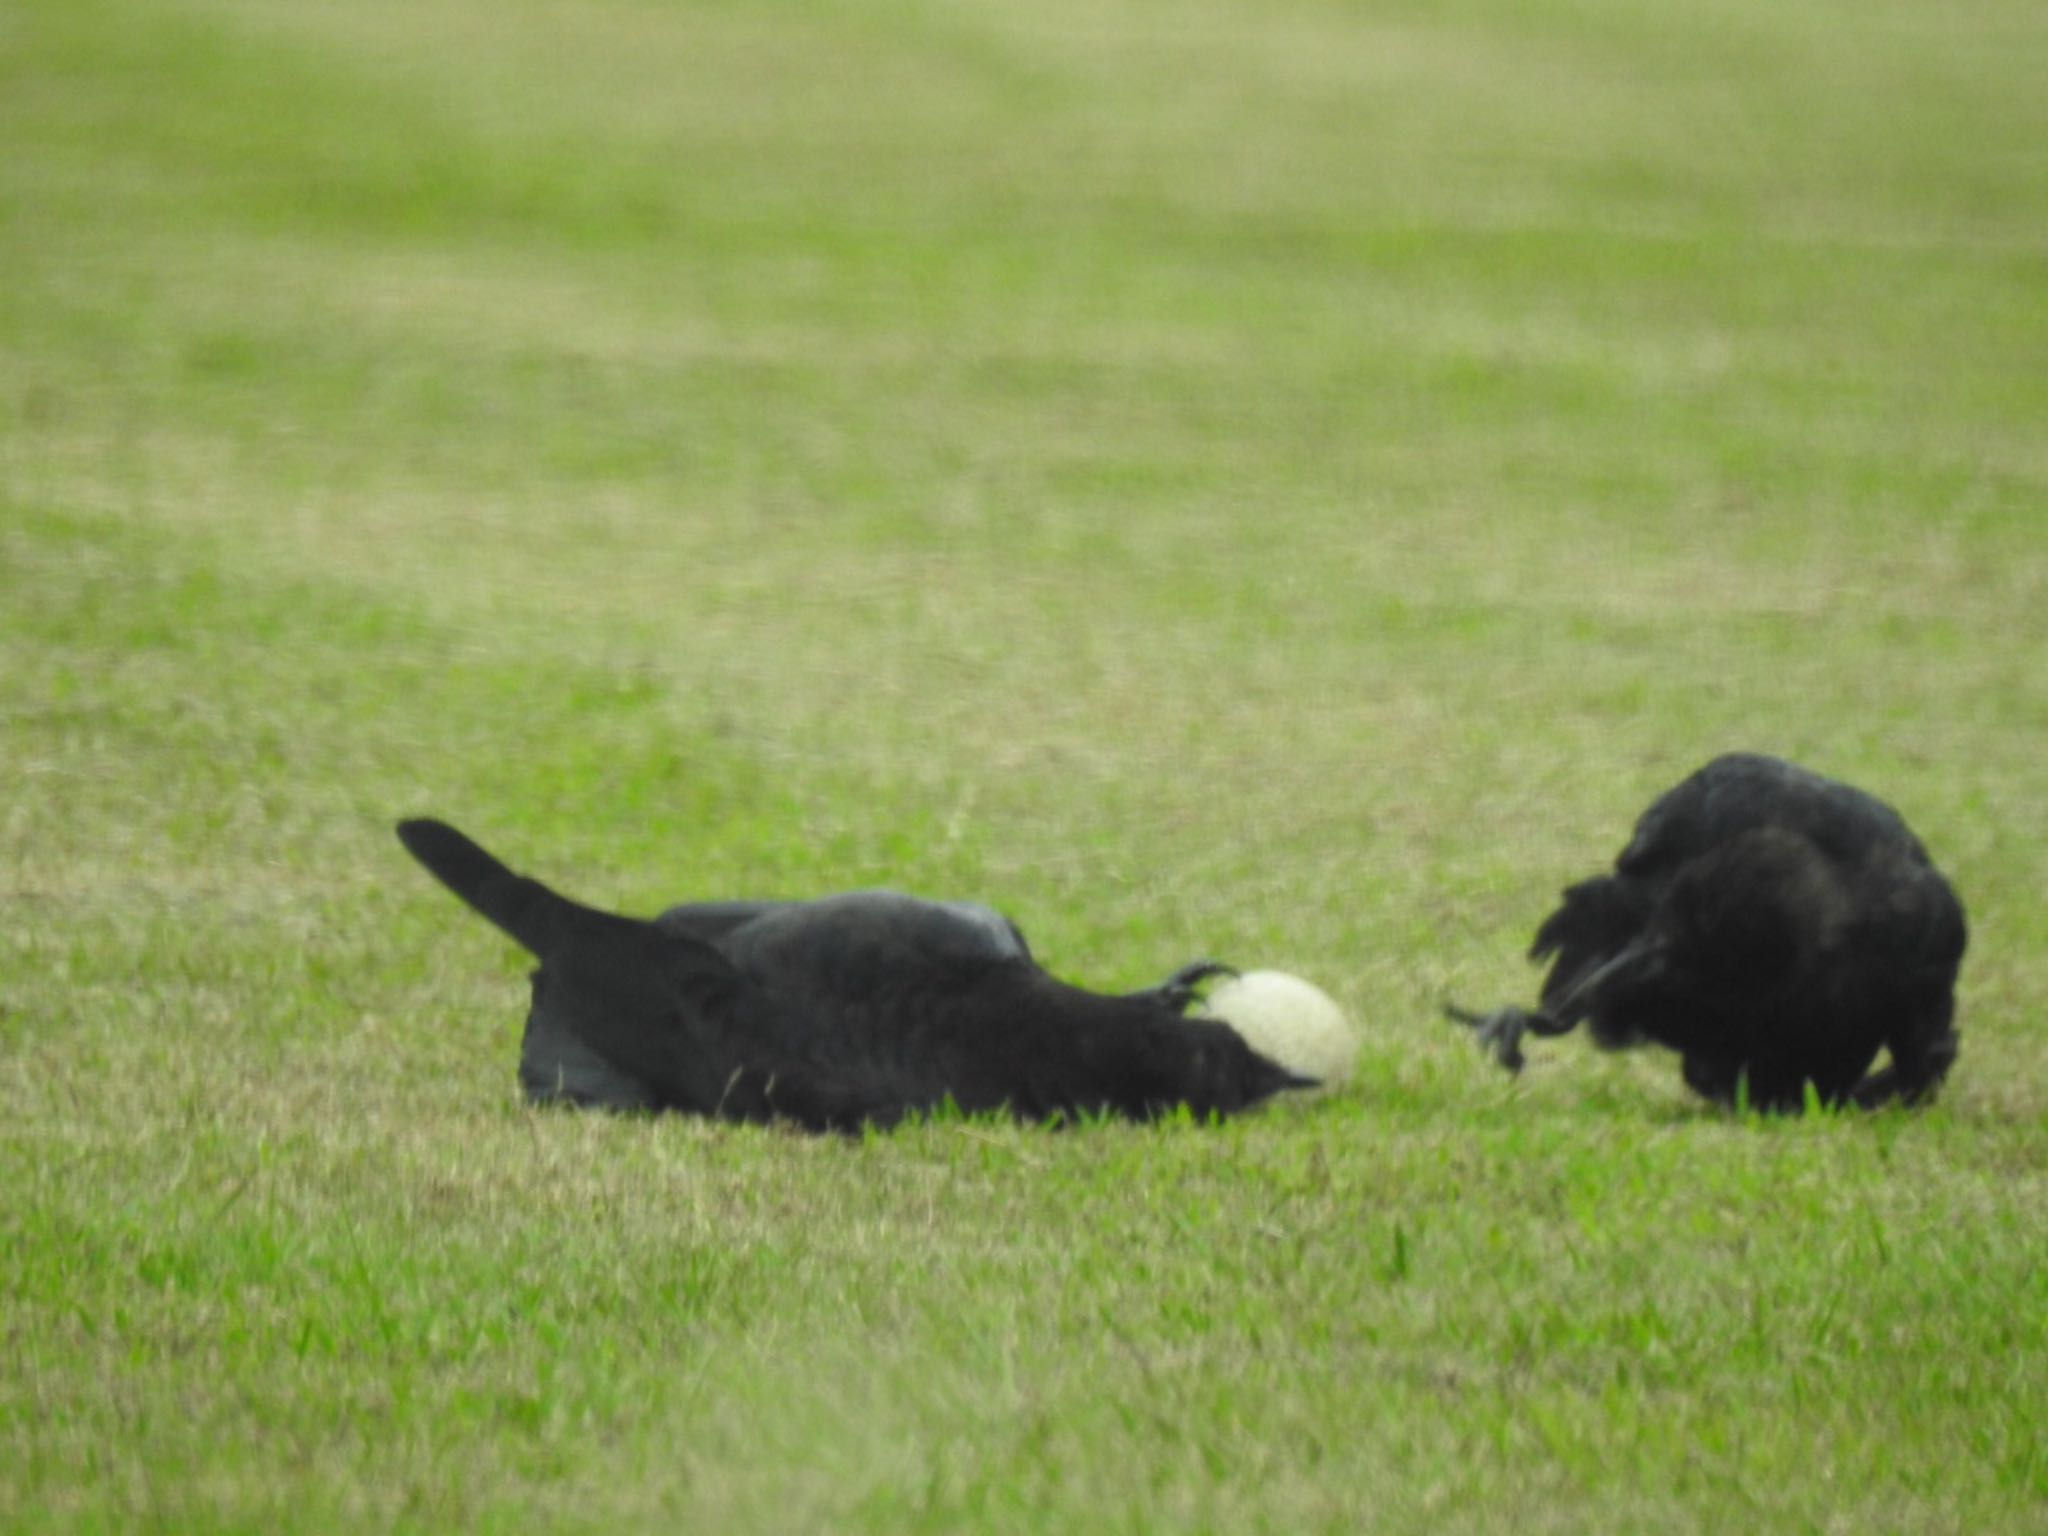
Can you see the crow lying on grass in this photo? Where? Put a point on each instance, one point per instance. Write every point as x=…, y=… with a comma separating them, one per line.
x=1772, y=926
x=837, y=1013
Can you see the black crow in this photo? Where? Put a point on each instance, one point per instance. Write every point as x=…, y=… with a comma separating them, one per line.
x=1775, y=928
x=832, y=1014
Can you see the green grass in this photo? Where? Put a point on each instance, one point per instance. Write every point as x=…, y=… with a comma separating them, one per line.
x=1284, y=480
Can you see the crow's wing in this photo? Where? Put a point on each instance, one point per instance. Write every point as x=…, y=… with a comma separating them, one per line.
x=855, y=946
x=1745, y=792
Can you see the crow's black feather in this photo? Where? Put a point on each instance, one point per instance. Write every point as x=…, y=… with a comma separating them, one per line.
x=845, y=1011
x=1776, y=928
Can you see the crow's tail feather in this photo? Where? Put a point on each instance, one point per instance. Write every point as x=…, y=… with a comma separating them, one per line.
x=536, y=917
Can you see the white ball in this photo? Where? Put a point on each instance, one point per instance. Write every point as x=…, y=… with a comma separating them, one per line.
x=1288, y=1021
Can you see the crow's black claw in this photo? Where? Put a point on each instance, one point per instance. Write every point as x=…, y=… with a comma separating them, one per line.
x=1184, y=985
x=1500, y=1032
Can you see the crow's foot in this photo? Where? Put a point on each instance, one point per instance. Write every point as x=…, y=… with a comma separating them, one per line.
x=1500, y=1032
x=1185, y=984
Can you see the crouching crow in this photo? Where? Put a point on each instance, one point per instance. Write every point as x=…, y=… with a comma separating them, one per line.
x=1775, y=928
x=832, y=1014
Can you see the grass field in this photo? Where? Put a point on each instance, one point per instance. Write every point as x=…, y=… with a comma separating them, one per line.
x=1278, y=480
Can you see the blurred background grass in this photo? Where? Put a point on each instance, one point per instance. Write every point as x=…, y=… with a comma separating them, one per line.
x=1282, y=481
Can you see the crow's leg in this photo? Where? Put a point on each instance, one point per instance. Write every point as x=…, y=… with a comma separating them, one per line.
x=1767, y=1087
x=1912, y=1078
x=1500, y=1032
x=1185, y=984
x=1712, y=1077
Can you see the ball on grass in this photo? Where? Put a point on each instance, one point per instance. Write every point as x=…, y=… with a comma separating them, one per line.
x=1289, y=1021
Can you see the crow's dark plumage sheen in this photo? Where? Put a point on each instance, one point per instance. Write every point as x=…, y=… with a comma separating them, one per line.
x=1776, y=928
x=845, y=1011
